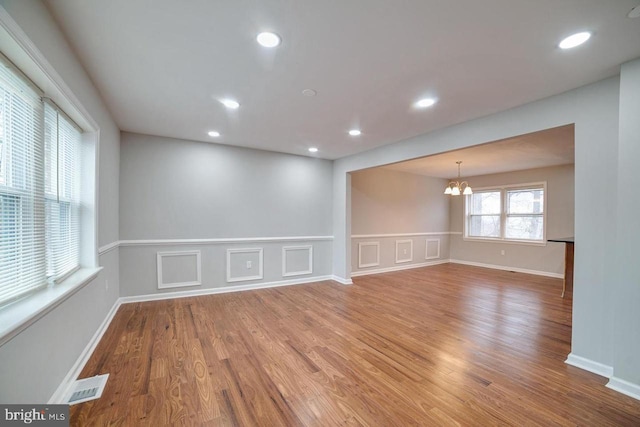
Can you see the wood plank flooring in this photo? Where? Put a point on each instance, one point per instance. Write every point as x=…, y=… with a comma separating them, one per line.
x=443, y=345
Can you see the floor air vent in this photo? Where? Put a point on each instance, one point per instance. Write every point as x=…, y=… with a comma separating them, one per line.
x=87, y=389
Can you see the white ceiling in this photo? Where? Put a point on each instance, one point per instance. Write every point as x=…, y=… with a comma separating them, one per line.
x=161, y=65
x=551, y=147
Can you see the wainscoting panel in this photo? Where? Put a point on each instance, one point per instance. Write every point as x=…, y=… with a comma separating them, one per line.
x=244, y=264
x=368, y=254
x=432, y=249
x=178, y=269
x=404, y=251
x=297, y=260
x=223, y=263
x=390, y=252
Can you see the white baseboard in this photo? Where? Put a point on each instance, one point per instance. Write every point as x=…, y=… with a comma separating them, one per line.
x=589, y=365
x=60, y=393
x=342, y=280
x=507, y=268
x=222, y=290
x=624, y=387
x=397, y=268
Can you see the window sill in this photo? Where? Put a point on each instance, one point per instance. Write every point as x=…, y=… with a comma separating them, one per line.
x=18, y=316
x=508, y=242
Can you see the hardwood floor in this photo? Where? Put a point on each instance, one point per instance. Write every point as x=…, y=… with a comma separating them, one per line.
x=442, y=345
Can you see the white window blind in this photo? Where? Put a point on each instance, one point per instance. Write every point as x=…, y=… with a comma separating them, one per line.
x=22, y=212
x=40, y=164
x=62, y=193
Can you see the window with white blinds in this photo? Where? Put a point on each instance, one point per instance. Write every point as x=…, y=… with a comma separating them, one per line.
x=62, y=193
x=39, y=189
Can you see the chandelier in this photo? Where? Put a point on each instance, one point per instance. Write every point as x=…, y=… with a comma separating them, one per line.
x=455, y=187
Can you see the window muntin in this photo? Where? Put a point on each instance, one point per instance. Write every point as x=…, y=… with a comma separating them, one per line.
x=508, y=213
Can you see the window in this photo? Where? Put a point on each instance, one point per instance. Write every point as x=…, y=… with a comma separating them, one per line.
x=62, y=193
x=508, y=213
x=39, y=189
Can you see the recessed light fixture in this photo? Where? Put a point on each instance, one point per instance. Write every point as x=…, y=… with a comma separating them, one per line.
x=230, y=103
x=574, y=40
x=355, y=132
x=313, y=150
x=213, y=133
x=635, y=12
x=267, y=39
x=309, y=92
x=426, y=102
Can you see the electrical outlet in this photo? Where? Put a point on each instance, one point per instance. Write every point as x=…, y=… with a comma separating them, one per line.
x=106, y=285
x=249, y=265
x=404, y=251
x=502, y=252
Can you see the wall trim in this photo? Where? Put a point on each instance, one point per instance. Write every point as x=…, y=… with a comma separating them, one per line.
x=397, y=268
x=341, y=280
x=430, y=233
x=507, y=268
x=410, y=255
x=78, y=366
x=108, y=248
x=371, y=264
x=426, y=249
x=259, y=276
x=624, y=387
x=308, y=248
x=169, y=242
x=197, y=282
x=222, y=290
x=589, y=365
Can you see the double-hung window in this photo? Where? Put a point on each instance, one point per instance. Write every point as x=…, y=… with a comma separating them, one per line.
x=39, y=189
x=510, y=213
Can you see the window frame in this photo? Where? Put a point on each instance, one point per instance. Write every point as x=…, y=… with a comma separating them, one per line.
x=504, y=189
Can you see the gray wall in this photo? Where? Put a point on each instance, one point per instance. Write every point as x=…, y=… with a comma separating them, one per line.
x=626, y=277
x=594, y=111
x=177, y=189
x=560, y=218
x=388, y=206
x=34, y=363
x=180, y=190
x=388, y=201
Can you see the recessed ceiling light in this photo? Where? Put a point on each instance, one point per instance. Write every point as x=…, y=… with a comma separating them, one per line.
x=355, y=132
x=309, y=92
x=230, y=103
x=426, y=102
x=635, y=12
x=313, y=150
x=574, y=40
x=213, y=133
x=268, y=39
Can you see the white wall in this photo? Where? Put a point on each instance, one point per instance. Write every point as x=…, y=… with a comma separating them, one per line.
x=391, y=208
x=34, y=363
x=174, y=189
x=626, y=276
x=547, y=259
x=594, y=111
